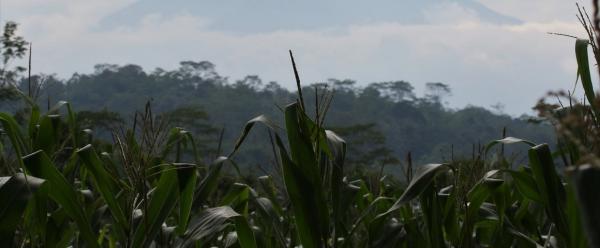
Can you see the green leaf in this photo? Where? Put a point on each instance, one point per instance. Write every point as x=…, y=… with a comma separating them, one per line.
x=551, y=189
x=483, y=189
x=209, y=223
x=338, y=146
x=269, y=187
x=244, y=233
x=301, y=147
x=418, y=184
x=302, y=195
x=450, y=215
x=369, y=210
x=34, y=120
x=209, y=183
x=301, y=175
x=477, y=196
x=259, y=119
x=105, y=184
x=187, y=177
x=179, y=136
x=164, y=198
x=62, y=192
x=525, y=184
x=71, y=123
x=47, y=134
x=36, y=215
x=432, y=211
x=488, y=214
x=583, y=69
x=16, y=137
x=15, y=193
x=586, y=179
x=236, y=191
x=507, y=141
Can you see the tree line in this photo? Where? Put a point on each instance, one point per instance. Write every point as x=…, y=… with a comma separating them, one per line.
x=382, y=120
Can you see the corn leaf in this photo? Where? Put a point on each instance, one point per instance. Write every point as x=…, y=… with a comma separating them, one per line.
x=15, y=192
x=551, y=189
x=583, y=69
x=61, y=192
x=105, y=184
x=162, y=202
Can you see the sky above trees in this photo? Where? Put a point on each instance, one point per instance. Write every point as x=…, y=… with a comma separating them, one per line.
x=488, y=51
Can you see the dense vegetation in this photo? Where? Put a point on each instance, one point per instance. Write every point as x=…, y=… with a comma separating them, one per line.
x=150, y=183
x=205, y=103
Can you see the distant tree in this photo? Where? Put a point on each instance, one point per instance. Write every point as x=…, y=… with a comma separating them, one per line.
x=418, y=125
x=345, y=85
x=394, y=90
x=498, y=108
x=199, y=70
x=102, y=123
x=131, y=69
x=104, y=119
x=436, y=91
x=251, y=82
x=101, y=68
x=367, y=145
x=195, y=120
x=43, y=88
x=158, y=72
x=273, y=87
x=13, y=47
x=371, y=91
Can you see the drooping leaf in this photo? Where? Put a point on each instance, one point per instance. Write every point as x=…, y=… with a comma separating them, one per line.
x=15, y=193
x=507, y=141
x=418, y=184
x=209, y=223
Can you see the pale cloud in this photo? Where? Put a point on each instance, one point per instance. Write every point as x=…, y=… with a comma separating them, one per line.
x=538, y=10
x=484, y=63
x=60, y=17
x=449, y=12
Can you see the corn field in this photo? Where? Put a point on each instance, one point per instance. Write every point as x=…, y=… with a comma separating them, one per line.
x=151, y=188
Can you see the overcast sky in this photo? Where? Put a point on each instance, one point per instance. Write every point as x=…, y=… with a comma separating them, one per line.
x=488, y=51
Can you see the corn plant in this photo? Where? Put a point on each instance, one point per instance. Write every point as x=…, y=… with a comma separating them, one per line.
x=151, y=188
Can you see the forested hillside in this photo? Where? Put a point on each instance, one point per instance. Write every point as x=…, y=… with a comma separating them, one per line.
x=382, y=121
